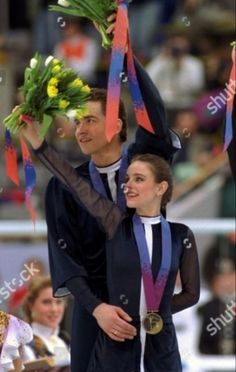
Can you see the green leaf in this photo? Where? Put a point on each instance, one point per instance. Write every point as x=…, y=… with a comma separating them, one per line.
x=47, y=121
x=56, y=8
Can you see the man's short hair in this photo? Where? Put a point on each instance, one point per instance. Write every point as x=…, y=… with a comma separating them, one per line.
x=100, y=95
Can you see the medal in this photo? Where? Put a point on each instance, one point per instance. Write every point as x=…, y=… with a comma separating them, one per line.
x=153, y=323
x=154, y=289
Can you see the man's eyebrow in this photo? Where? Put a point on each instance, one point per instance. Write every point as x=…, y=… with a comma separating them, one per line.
x=86, y=117
x=89, y=117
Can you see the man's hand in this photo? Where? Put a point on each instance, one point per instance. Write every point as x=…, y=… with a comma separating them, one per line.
x=30, y=130
x=114, y=322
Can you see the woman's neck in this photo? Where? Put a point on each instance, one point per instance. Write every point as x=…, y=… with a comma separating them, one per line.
x=148, y=212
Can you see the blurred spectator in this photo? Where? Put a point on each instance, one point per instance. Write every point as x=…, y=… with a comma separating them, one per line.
x=187, y=328
x=149, y=15
x=44, y=313
x=144, y=16
x=178, y=75
x=218, y=315
x=79, y=51
x=196, y=148
x=14, y=334
x=47, y=30
x=32, y=268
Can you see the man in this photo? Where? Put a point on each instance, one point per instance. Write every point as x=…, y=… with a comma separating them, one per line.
x=78, y=265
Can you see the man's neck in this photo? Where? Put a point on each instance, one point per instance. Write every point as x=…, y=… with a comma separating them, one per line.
x=107, y=157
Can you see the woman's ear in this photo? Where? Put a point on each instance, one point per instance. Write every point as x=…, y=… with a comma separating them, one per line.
x=162, y=188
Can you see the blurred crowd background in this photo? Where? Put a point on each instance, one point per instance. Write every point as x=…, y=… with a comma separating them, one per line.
x=185, y=47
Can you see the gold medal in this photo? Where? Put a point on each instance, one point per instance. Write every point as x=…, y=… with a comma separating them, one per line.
x=153, y=323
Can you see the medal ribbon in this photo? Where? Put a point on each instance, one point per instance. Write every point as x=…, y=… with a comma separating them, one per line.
x=12, y=170
x=153, y=290
x=99, y=186
x=228, y=136
x=11, y=159
x=30, y=178
x=116, y=67
x=120, y=42
x=140, y=111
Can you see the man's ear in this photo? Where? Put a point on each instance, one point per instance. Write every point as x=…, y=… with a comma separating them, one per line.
x=162, y=187
x=119, y=125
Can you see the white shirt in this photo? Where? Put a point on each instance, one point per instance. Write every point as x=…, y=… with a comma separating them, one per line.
x=53, y=342
x=18, y=334
x=110, y=171
x=147, y=222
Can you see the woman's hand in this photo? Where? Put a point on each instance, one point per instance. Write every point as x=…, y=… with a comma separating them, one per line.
x=114, y=322
x=30, y=130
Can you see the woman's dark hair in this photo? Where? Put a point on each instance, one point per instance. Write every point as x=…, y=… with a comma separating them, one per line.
x=161, y=171
x=100, y=95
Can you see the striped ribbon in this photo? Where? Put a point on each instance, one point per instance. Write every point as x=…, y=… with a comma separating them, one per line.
x=138, y=103
x=116, y=68
x=121, y=41
x=228, y=135
x=30, y=178
x=11, y=159
x=153, y=287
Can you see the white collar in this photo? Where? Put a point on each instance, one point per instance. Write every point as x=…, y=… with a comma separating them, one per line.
x=110, y=168
x=44, y=331
x=150, y=220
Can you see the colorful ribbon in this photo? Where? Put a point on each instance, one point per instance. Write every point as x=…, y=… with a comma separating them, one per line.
x=116, y=67
x=11, y=159
x=228, y=136
x=120, y=42
x=154, y=289
x=30, y=178
x=138, y=103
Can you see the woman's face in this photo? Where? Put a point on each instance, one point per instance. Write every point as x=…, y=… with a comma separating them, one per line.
x=47, y=310
x=142, y=191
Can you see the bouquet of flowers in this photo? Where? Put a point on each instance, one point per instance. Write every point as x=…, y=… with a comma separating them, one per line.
x=96, y=10
x=49, y=89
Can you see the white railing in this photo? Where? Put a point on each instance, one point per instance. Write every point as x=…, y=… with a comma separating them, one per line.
x=17, y=229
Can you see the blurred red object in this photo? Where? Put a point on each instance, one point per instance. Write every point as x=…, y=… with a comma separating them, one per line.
x=12, y=196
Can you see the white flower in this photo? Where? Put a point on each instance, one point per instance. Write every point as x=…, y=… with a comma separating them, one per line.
x=71, y=114
x=48, y=60
x=64, y=3
x=33, y=62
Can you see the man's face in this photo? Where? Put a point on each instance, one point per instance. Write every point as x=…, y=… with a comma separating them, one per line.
x=90, y=131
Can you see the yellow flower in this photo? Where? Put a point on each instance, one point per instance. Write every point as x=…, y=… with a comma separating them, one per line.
x=55, y=61
x=81, y=112
x=85, y=89
x=63, y=103
x=76, y=83
x=53, y=82
x=56, y=69
x=52, y=91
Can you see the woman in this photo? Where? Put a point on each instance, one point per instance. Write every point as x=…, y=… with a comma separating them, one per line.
x=45, y=313
x=14, y=334
x=145, y=239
